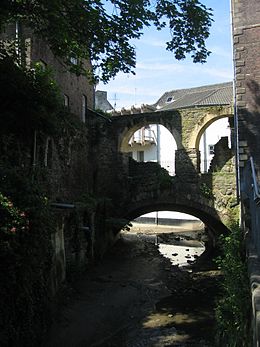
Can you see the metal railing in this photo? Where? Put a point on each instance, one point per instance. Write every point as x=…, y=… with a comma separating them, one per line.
x=255, y=185
x=251, y=194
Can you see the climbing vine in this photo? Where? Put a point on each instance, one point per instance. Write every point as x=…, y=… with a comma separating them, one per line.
x=30, y=98
x=29, y=103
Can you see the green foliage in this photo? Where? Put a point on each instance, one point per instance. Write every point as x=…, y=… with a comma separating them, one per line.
x=30, y=102
x=102, y=32
x=11, y=218
x=26, y=224
x=30, y=99
x=233, y=308
x=206, y=191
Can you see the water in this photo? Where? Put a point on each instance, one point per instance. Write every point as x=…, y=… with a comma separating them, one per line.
x=179, y=250
x=181, y=255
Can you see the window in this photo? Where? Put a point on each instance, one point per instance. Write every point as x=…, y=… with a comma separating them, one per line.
x=83, y=108
x=169, y=99
x=211, y=150
x=140, y=156
x=66, y=100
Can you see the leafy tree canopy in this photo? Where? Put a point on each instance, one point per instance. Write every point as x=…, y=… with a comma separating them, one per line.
x=102, y=30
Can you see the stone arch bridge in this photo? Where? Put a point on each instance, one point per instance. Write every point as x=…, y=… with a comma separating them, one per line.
x=145, y=187
x=209, y=197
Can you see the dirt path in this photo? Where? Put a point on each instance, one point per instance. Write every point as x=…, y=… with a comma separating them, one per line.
x=135, y=298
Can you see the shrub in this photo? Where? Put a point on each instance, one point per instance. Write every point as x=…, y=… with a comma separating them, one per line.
x=233, y=308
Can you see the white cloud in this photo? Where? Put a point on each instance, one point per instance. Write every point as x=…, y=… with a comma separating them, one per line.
x=220, y=73
x=220, y=51
x=157, y=66
x=149, y=84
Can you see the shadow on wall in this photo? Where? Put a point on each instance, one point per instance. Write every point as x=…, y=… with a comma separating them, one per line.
x=248, y=124
x=255, y=94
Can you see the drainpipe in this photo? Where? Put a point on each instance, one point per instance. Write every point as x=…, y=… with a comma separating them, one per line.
x=158, y=148
x=205, y=159
x=62, y=205
x=158, y=153
x=236, y=134
x=34, y=149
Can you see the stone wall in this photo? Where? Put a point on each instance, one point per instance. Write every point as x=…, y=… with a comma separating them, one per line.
x=246, y=33
x=186, y=126
x=210, y=197
x=223, y=157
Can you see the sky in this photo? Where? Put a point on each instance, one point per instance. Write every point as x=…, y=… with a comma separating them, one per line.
x=157, y=71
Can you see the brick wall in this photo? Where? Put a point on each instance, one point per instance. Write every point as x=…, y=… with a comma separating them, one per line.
x=70, y=84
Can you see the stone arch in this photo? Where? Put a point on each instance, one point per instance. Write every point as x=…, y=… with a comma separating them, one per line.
x=213, y=225
x=204, y=123
x=127, y=133
x=206, y=214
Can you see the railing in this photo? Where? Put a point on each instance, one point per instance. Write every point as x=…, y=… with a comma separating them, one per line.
x=255, y=185
x=144, y=136
x=251, y=193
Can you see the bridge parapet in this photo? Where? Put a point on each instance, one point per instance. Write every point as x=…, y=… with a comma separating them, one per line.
x=206, y=196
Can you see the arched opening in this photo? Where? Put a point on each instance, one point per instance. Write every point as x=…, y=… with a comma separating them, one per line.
x=179, y=237
x=193, y=230
x=154, y=143
x=197, y=221
x=208, y=140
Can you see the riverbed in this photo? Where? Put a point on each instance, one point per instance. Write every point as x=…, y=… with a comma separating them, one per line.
x=136, y=297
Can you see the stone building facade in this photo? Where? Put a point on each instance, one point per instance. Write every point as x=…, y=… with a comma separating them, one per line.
x=246, y=34
x=77, y=91
x=246, y=43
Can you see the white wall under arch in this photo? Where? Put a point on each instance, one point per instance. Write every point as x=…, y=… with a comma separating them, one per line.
x=162, y=151
x=220, y=128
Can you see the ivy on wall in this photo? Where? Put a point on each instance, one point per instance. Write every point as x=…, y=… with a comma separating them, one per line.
x=25, y=258
x=29, y=98
x=29, y=102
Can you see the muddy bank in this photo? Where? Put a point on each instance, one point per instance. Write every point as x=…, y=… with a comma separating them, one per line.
x=135, y=298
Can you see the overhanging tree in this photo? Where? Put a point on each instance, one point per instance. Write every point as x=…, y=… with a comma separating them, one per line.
x=102, y=30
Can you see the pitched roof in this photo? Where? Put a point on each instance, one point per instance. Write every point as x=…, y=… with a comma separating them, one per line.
x=210, y=95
